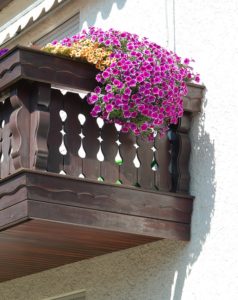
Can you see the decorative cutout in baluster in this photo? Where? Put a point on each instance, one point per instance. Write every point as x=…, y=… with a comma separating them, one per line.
x=128, y=170
x=81, y=152
x=118, y=158
x=109, y=168
x=154, y=163
x=63, y=117
x=180, y=153
x=100, y=155
x=163, y=158
x=146, y=176
x=62, y=149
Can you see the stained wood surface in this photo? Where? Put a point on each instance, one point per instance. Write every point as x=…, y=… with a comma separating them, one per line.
x=94, y=197
x=40, y=149
x=71, y=219
x=128, y=171
x=109, y=167
x=163, y=159
x=32, y=64
x=39, y=245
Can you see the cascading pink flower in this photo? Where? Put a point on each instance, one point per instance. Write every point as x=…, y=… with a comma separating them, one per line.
x=142, y=89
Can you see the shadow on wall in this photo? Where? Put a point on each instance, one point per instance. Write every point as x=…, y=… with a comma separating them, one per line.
x=94, y=7
x=203, y=186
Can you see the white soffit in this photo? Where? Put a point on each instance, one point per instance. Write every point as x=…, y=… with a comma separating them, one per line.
x=26, y=18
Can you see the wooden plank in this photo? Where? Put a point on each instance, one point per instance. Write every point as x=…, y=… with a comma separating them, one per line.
x=13, y=214
x=163, y=157
x=72, y=161
x=146, y=176
x=111, y=198
x=55, y=159
x=91, y=131
x=181, y=148
x=109, y=168
x=128, y=171
x=45, y=67
x=109, y=221
x=20, y=125
x=38, y=245
x=40, y=123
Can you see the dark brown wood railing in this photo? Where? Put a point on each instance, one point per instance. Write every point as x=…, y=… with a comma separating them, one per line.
x=81, y=213
x=40, y=128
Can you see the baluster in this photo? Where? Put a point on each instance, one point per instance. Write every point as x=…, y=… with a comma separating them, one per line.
x=72, y=161
x=180, y=154
x=40, y=123
x=91, y=132
x=163, y=158
x=128, y=171
x=109, y=168
x=146, y=176
x=55, y=159
x=20, y=125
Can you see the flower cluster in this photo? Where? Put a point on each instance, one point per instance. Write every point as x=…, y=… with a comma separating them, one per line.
x=141, y=84
x=3, y=51
x=84, y=49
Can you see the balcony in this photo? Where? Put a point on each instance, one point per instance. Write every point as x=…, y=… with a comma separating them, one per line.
x=71, y=187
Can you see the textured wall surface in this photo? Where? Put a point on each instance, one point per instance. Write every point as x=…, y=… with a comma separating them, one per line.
x=207, y=267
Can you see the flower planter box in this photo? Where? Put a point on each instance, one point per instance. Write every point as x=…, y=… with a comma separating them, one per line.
x=85, y=212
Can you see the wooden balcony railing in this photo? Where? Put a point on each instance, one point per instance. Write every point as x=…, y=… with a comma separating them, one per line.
x=60, y=164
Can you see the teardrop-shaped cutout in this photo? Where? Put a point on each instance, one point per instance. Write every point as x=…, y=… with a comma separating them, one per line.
x=154, y=165
x=136, y=161
x=118, y=181
x=63, y=115
x=100, y=122
x=118, y=127
x=81, y=119
x=118, y=159
x=100, y=178
x=62, y=148
x=63, y=92
x=81, y=152
x=82, y=94
x=100, y=155
x=81, y=176
x=62, y=172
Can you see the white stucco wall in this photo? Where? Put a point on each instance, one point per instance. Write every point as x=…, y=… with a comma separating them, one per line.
x=207, y=267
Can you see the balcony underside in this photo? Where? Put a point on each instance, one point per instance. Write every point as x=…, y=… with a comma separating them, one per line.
x=48, y=220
